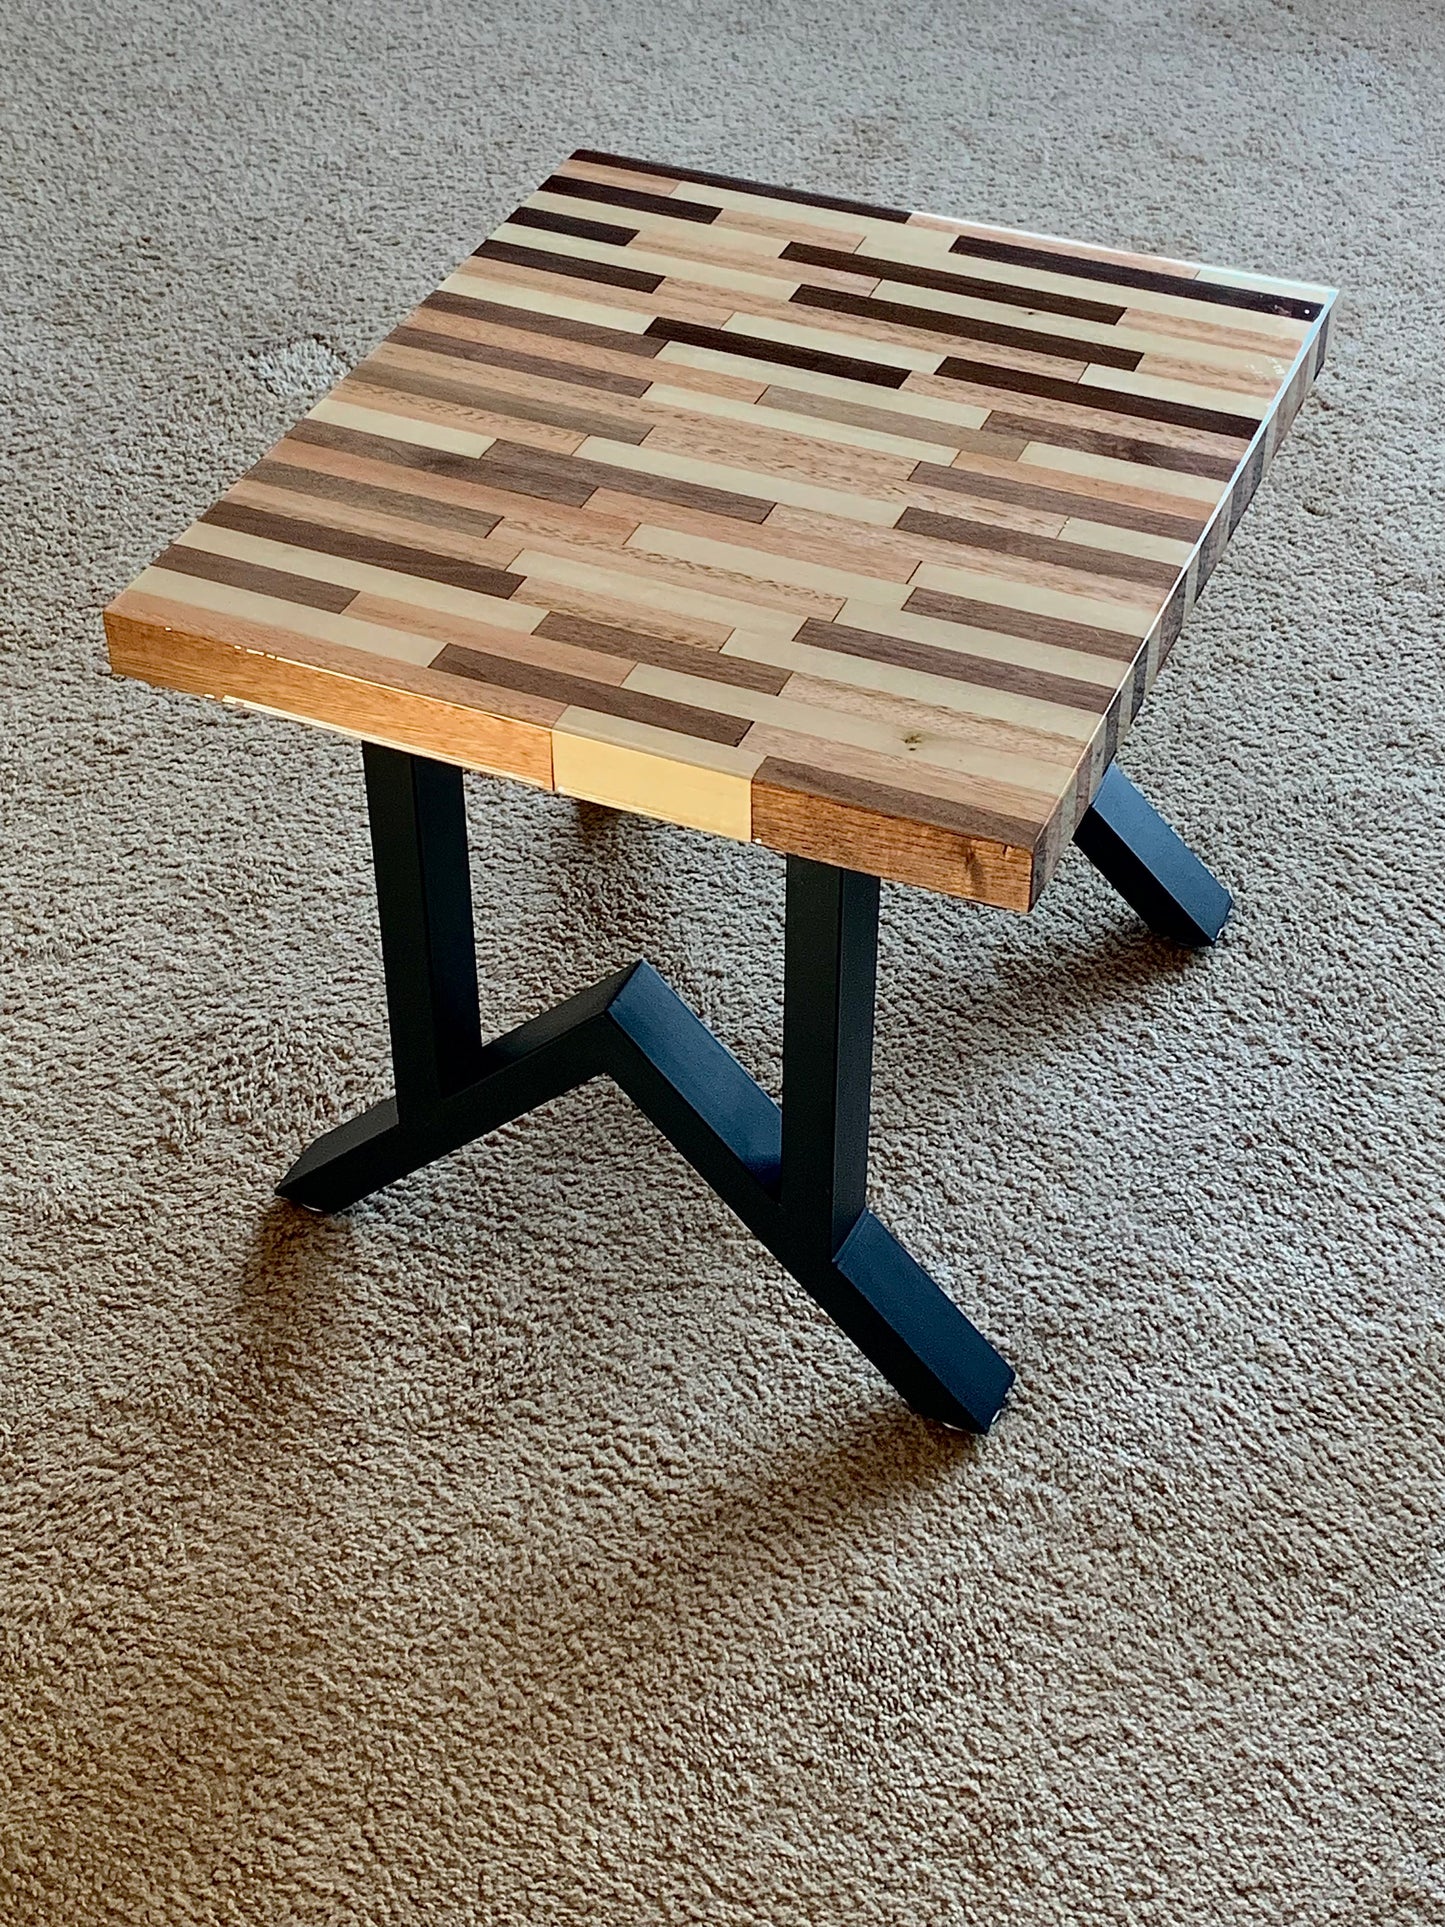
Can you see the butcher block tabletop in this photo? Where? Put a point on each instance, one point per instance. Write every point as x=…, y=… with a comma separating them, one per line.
x=854, y=532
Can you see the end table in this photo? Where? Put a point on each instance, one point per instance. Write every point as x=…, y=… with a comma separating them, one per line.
x=854, y=532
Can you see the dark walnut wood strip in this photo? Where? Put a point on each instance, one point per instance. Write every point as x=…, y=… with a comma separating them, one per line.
x=501, y=315
x=323, y=486
x=731, y=181
x=487, y=354
x=544, y=218
x=939, y=321
x=1079, y=394
x=785, y=354
x=604, y=697
x=1110, y=643
x=1033, y=300
x=1183, y=527
x=1119, y=448
x=1015, y=679
x=536, y=471
x=1118, y=274
x=543, y=262
x=182, y=560
x=397, y=557
x=610, y=196
x=914, y=806
x=1109, y=563
x=634, y=645
x=466, y=393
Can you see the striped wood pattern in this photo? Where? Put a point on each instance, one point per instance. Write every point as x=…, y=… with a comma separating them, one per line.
x=855, y=532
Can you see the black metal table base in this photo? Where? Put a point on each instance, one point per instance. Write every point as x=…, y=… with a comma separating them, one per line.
x=795, y=1176
x=1150, y=865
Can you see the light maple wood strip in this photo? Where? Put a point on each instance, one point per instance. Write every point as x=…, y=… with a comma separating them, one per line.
x=820, y=234
x=656, y=460
x=1088, y=487
x=617, y=176
x=833, y=584
x=696, y=273
x=812, y=427
x=549, y=576
x=904, y=400
x=1100, y=535
x=735, y=594
x=1281, y=336
x=767, y=448
x=1045, y=456
x=652, y=772
x=1122, y=382
x=537, y=295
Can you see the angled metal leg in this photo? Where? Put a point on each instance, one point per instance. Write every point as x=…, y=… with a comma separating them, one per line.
x=796, y=1177
x=1150, y=865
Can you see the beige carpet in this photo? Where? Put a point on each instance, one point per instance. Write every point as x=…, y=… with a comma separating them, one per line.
x=525, y=1549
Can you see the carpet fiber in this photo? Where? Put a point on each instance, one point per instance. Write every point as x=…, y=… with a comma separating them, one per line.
x=525, y=1548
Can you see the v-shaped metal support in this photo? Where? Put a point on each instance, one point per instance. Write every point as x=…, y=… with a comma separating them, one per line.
x=796, y=1176
x=1151, y=866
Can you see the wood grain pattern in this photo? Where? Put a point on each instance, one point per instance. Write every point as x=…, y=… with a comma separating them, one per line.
x=851, y=531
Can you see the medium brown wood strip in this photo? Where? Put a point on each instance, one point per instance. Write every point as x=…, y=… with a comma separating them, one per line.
x=606, y=698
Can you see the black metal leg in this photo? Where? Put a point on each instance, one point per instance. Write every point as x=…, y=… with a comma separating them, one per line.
x=796, y=1177
x=1150, y=865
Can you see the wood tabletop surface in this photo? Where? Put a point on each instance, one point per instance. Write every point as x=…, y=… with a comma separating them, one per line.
x=854, y=532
